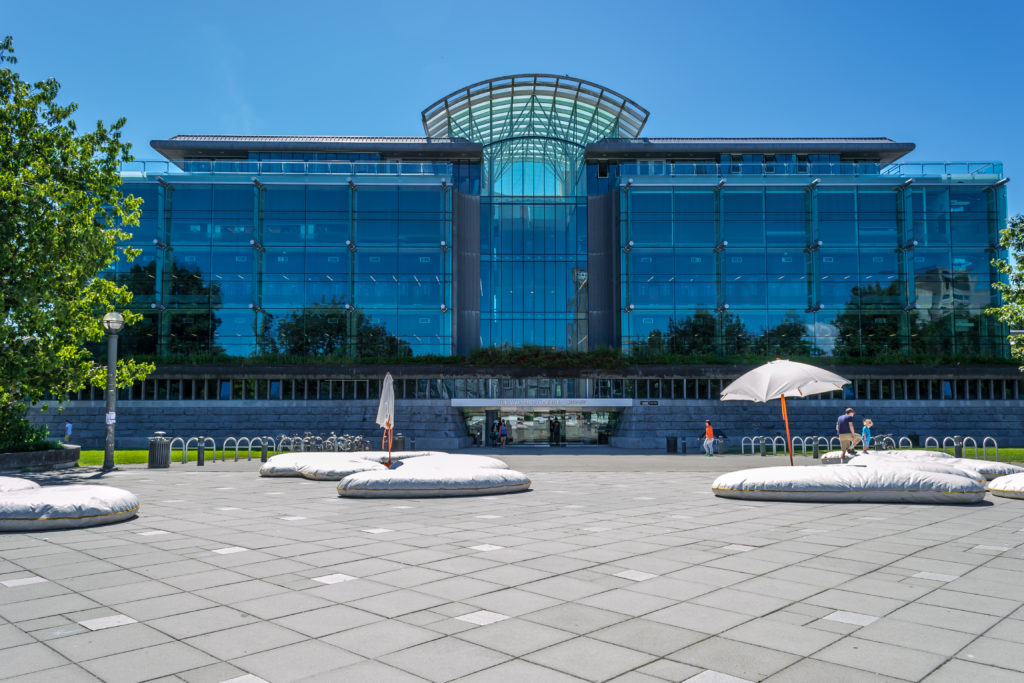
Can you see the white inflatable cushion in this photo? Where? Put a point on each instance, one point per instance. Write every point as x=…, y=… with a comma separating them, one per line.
x=16, y=484
x=445, y=461
x=943, y=466
x=331, y=465
x=407, y=482
x=437, y=474
x=1008, y=486
x=989, y=470
x=65, y=507
x=848, y=484
x=900, y=455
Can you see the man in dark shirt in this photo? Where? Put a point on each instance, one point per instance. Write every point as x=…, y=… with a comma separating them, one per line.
x=847, y=433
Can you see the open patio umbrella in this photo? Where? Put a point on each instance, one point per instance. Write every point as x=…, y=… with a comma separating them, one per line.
x=779, y=379
x=386, y=412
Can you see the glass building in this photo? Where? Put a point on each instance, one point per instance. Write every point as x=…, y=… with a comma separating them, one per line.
x=534, y=213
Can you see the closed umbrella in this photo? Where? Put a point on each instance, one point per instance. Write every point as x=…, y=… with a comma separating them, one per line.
x=779, y=379
x=386, y=412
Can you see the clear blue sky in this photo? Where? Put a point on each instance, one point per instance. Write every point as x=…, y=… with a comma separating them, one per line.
x=946, y=75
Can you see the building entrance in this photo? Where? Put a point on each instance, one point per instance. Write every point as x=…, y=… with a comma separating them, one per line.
x=537, y=427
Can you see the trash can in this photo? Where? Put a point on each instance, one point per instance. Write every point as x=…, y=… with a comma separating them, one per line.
x=398, y=442
x=671, y=444
x=159, y=451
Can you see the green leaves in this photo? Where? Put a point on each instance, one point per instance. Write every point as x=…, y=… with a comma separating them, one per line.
x=62, y=217
x=1012, y=290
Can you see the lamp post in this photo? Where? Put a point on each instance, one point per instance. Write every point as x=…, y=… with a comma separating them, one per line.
x=112, y=324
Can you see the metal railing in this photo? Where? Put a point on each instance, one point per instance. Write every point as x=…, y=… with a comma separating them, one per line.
x=925, y=169
x=154, y=168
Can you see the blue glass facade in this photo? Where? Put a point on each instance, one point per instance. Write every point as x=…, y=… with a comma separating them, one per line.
x=297, y=264
x=787, y=264
x=533, y=214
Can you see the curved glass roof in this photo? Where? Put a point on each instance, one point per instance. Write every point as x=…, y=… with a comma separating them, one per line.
x=540, y=106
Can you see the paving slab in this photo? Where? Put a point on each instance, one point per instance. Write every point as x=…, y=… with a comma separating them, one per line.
x=613, y=567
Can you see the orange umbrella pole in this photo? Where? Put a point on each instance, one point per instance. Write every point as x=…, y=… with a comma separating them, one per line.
x=789, y=442
x=388, y=434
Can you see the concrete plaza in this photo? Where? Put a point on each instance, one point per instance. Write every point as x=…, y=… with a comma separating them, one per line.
x=621, y=568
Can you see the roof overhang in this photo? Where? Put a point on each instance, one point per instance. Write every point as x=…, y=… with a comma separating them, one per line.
x=882, y=149
x=183, y=147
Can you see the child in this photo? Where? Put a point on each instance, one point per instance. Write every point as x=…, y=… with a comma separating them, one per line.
x=865, y=433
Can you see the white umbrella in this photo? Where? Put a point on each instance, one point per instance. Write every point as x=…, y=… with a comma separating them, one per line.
x=779, y=379
x=386, y=412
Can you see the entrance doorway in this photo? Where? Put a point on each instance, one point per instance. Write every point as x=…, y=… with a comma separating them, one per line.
x=534, y=426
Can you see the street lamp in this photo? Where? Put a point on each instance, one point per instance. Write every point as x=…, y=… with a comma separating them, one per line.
x=112, y=324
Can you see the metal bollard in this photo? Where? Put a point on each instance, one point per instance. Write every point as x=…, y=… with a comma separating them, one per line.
x=263, y=450
x=764, y=450
x=201, y=454
x=817, y=449
x=958, y=447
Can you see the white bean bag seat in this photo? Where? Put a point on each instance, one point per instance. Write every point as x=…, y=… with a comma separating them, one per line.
x=848, y=484
x=943, y=466
x=331, y=466
x=16, y=484
x=989, y=470
x=427, y=482
x=445, y=461
x=1008, y=486
x=65, y=507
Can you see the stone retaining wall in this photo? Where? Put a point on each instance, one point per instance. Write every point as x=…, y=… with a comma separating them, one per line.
x=433, y=424
x=647, y=426
x=52, y=459
x=436, y=424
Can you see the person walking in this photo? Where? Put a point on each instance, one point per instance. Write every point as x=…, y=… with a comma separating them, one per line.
x=865, y=433
x=503, y=432
x=558, y=432
x=67, y=431
x=709, y=439
x=847, y=434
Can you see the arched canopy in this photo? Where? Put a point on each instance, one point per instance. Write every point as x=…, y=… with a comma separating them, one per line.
x=537, y=106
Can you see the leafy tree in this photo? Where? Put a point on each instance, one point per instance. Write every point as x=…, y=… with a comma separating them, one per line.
x=1012, y=290
x=61, y=218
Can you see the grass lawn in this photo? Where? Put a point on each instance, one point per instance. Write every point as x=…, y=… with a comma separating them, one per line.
x=123, y=457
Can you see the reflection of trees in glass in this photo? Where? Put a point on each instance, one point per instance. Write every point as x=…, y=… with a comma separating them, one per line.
x=788, y=338
x=869, y=324
x=707, y=334
x=182, y=333
x=329, y=330
x=703, y=333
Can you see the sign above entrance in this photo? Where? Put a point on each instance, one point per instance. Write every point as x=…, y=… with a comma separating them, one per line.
x=542, y=402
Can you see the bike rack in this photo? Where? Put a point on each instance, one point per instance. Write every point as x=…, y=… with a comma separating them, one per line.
x=973, y=444
x=747, y=441
x=171, y=449
x=952, y=443
x=910, y=444
x=888, y=440
x=775, y=444
x=835, y=440
x=184, y=451
x=931, y=439
x=224, y=448
x=803, y=444
x=984, y=447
